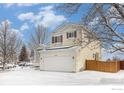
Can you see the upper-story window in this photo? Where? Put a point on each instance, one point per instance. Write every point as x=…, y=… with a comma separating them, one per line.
x=56, y=39
x=72, y=34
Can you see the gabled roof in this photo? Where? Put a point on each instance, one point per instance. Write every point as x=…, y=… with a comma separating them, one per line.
x=66, y=25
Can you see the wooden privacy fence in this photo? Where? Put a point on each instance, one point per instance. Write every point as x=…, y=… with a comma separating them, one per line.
x=102, y=66
x=122, y=65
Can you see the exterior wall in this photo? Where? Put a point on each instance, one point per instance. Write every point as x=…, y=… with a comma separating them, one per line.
x=84, y=54
x=67, y=41
x=81, y=54
x=36, y=61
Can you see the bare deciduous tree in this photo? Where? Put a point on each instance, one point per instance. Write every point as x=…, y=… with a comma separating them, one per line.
x=37, y=37
x=14, y=46
x=109, y=22
x=106, y=21
x=3, y=42
x=9, y=43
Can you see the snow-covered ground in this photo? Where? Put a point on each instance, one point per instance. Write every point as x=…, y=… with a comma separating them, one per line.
x=29, y=76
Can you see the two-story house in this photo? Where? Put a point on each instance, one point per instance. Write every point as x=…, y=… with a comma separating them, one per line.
x=66, y=50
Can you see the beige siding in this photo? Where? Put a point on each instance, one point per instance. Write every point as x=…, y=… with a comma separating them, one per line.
x=36, y=61
x=67, y=41
x=86, y=53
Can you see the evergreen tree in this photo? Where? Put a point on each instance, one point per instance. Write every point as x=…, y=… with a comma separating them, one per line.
x=23, y=54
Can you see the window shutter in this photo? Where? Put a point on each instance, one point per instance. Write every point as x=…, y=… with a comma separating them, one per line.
x=67, y=35
x=52, y=39
x=55, y=39
x=75, y=34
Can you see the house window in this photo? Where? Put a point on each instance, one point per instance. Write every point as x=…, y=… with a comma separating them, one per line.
x=96, y=56
x=71, y=34
x=56, y=39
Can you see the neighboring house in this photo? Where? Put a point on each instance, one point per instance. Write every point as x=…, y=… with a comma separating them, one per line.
x=66, y=52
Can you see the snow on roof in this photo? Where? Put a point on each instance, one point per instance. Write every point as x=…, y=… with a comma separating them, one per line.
x=60, y=48
x=65, y=25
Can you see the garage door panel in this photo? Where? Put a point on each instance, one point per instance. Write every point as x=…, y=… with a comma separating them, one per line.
x=59, y=63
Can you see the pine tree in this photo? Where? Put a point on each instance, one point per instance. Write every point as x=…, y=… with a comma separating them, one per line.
x=23, y=54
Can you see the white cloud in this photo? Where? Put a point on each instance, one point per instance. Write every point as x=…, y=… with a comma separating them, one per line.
x=17, y=32
x=8, y=5
x=46, y=17
x=26, y=16
x=24, y=4
x=52, y=19
x=49, y=18
x=47, y=8
x=24, y=27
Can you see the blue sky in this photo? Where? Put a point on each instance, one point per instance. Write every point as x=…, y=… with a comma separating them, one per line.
x=24, y=17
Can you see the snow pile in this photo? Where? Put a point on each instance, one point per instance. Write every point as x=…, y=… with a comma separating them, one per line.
x=29, y=76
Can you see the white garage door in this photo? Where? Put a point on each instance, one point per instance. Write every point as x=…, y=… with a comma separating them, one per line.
x=59, y=63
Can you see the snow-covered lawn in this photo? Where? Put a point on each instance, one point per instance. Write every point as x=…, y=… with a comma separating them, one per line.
x=29, y=76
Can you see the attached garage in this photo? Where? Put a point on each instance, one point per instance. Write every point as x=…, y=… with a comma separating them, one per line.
x=64, y=59
x=58, y=59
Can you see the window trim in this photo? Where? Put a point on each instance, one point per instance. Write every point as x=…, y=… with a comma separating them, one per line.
x=71, y=34
x=57, y=39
